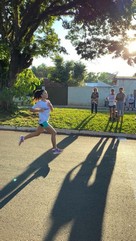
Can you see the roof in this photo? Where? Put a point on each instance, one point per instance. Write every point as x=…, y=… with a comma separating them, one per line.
x=125, y=78
x=97, y=84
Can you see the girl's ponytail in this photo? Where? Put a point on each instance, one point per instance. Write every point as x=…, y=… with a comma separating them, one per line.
x=38, y=93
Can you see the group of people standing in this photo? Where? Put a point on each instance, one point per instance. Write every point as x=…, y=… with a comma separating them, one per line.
x=115, y=103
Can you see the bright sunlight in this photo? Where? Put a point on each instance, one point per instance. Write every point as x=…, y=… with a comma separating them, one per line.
x=132, y=47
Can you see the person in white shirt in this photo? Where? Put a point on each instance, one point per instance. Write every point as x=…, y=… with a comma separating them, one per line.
x=112, y=104
x=131, y=101
x=43, y=107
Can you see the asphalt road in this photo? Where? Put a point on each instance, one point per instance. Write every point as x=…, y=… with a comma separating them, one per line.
x=87, y=193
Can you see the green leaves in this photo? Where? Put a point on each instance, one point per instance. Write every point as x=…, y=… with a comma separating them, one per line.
x=26, y=29
x=26, y=83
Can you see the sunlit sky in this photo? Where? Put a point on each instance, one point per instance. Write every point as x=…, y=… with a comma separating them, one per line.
x=103, y=64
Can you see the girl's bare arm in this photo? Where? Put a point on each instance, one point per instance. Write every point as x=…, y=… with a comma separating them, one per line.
x=50, y=105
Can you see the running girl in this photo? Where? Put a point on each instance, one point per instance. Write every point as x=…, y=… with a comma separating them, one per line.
x=43, y=107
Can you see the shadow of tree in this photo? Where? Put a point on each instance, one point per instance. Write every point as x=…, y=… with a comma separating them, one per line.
x=82, y=197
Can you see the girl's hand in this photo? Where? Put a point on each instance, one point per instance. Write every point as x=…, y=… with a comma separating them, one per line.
x=42, y=110
x=36, y=110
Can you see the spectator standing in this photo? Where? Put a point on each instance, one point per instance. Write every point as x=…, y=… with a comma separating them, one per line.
x=94, y=100
x=120, y=98
x=112, y=104
x=131, y=101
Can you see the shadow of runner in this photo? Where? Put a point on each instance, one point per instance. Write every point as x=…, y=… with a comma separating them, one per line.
x=37, y=168
x=82, y=201
x=41, y=172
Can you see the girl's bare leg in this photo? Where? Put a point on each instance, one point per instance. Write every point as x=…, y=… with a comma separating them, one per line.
x=114, y=113
x=110, y=113
x=53, y=133
x=39, y=130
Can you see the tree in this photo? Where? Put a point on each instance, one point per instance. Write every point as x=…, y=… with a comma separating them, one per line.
x=102, y=76
x=67, y=73
x=91, y=77
x=78, y=74
x=106, y=77
x=41, y=71
x=103, y=32
x=26, y=28
x=4, y=65
x=25, y=35
x=26, y=83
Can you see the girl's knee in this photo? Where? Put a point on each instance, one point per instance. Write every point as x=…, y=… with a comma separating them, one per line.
x=55, y=132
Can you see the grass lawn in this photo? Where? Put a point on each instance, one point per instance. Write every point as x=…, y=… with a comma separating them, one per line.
x=75, y=119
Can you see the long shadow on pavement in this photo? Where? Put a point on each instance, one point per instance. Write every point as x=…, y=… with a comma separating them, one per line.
x=82, y=198
x=37, y=168
x=84, y=122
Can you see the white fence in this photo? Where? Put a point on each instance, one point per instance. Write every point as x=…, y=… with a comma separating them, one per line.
x=81, y=96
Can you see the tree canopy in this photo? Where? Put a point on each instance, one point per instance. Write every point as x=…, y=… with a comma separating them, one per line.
x=26, y=30
x=105, y=31
x=66, y=73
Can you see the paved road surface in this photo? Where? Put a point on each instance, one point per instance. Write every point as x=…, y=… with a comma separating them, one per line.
x=87, y=193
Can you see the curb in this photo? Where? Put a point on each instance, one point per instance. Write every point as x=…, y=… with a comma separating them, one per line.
x=75, y=132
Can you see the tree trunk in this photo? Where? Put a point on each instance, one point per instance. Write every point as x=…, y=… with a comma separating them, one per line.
x=19, y=62
x=14, y=67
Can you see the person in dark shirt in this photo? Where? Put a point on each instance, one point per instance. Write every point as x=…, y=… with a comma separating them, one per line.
x=94, y=100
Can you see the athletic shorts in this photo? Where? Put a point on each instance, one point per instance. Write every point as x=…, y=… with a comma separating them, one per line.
x=112, y=106
x=44, y=124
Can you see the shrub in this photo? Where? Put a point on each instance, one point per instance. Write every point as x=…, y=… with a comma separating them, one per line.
x=6, y=100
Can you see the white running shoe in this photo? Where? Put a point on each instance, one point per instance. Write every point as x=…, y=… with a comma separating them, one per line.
x=21, y=140
x=56, y=151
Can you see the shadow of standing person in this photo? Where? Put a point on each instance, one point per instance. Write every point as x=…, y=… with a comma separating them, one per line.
x=82, y=197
